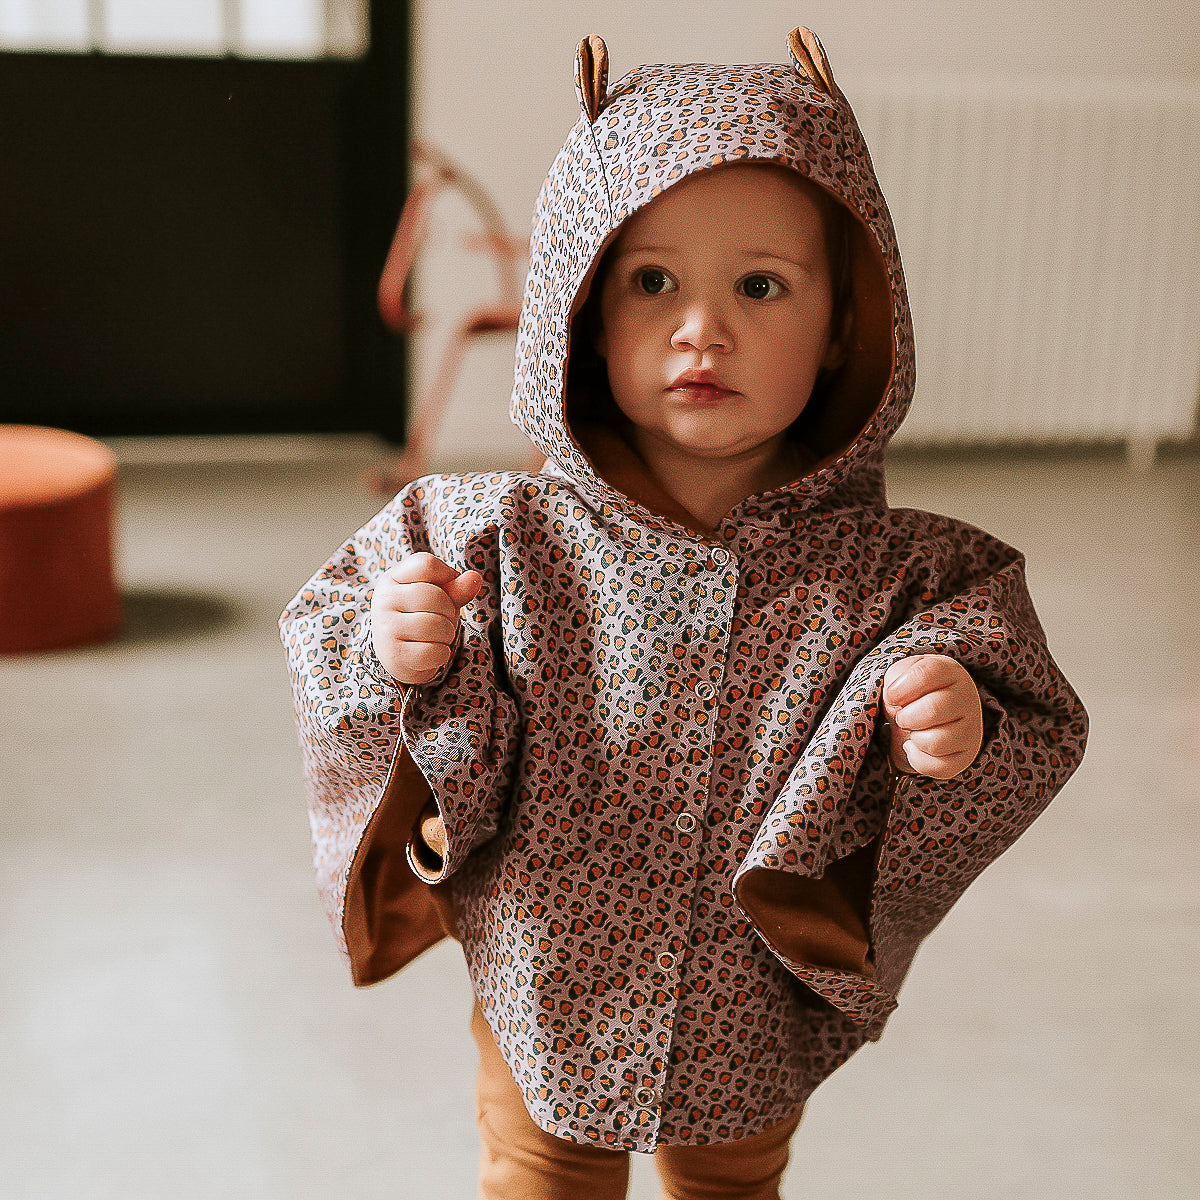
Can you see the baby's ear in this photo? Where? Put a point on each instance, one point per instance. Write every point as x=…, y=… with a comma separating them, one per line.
x=808, y=57
x=591, y=75
x=838, y=350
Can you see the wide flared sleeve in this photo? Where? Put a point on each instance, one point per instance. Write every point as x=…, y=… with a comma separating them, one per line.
x=377, y=754
x=925, y=840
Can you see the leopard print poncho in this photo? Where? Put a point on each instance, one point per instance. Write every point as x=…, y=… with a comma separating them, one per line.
x=685, y=882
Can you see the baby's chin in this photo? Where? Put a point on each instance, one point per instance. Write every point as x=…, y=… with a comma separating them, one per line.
x=773, y=459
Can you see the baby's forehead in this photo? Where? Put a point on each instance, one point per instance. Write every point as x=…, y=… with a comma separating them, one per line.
x=760, y=195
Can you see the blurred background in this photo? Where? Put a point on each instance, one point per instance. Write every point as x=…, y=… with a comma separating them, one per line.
x=196, y=208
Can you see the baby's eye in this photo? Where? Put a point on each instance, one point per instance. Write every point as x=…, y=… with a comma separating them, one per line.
x=654, y=281
x=760, y=287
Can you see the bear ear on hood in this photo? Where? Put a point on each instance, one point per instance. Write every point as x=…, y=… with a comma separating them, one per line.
x=591, y=75
x=808, y=57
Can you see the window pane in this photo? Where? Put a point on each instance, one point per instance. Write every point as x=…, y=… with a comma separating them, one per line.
x=150, y=26
x=283, y=28
x=286, y=29
x=44, y=25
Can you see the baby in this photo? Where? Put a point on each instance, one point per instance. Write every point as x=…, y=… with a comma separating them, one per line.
x=715, y=318
x=689, y=739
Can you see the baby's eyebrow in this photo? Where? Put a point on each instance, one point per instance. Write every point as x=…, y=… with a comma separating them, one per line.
x=783, y=258
x=642, y=248
x=756, y=254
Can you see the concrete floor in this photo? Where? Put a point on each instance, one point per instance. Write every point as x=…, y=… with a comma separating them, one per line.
x=174, y=1020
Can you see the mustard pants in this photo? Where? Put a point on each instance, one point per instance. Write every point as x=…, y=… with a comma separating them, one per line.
x=520, y=1161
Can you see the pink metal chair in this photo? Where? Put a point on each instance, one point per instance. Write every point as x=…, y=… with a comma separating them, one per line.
x=435, y=174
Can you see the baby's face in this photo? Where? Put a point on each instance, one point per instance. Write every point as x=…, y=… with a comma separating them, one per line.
x=715, y=311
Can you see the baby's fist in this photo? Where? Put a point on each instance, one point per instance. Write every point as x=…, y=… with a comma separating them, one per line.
x=933, y=709
x=415, y=614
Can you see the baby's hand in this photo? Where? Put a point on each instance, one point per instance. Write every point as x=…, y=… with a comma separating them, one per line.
x=936, y=719
x=415, y=613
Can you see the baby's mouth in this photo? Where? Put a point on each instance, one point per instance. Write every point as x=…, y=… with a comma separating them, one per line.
x=701, y=387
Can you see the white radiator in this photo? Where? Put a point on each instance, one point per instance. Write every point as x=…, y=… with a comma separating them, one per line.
x=1051, y=239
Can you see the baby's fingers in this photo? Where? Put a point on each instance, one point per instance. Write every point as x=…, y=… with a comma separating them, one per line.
x=423, y=583
x=423, y=626
x=416, y=662
x=941, y=749
x=935, y=765
x=933, y=710
x=423, y=568
x=417, y=599
x=911, y=678
x=465, y=588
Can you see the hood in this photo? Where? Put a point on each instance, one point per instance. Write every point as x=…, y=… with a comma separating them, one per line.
x=655, y=127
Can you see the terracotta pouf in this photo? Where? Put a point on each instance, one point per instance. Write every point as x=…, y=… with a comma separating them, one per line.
x=57, y=587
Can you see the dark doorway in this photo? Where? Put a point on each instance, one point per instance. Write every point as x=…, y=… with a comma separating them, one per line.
x=191, y=245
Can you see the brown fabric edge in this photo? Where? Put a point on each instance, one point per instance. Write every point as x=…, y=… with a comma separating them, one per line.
x=820, y=922
x=390, y=915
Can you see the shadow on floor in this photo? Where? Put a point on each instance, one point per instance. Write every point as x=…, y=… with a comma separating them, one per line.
x=173, y=616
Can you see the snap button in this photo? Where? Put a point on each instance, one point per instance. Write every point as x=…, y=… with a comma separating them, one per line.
x=685, y=823
x=719, y=557
x=645, y=1096
x=667, y=962
x=706, y=690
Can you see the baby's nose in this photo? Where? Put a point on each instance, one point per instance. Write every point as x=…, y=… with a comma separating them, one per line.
x=702, y=326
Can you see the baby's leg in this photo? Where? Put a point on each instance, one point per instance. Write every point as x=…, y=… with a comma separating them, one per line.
x=749, y=1169
x=519, y=1161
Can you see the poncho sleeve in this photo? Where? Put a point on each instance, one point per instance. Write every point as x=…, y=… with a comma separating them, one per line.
x=376, y=753
x=928, y=839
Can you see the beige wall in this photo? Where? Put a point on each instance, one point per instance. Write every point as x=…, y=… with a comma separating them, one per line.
x=493, y=87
